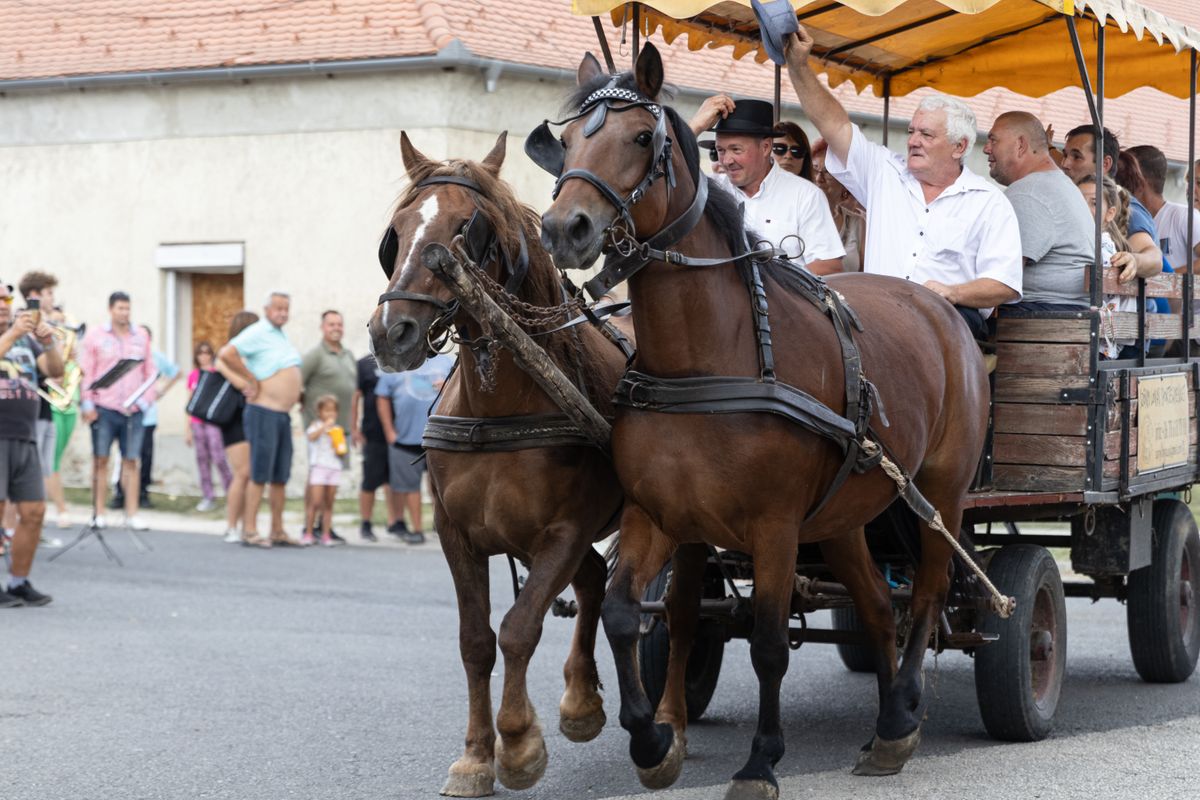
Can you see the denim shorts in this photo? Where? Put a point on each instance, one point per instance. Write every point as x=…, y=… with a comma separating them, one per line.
x=270, y=436
x=126, y=430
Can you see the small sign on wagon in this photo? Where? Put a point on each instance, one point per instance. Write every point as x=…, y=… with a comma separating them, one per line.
x=1162, y=422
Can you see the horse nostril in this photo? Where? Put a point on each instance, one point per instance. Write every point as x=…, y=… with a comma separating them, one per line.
x=580, y=229
x=401, y=335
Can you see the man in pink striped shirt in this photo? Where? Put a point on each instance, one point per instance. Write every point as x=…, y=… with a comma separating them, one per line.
x=109, y=411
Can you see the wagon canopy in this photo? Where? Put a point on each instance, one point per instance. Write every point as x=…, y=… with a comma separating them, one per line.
x=961, y=47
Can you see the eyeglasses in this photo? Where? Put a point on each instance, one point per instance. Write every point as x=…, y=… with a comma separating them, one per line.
x=795, y=150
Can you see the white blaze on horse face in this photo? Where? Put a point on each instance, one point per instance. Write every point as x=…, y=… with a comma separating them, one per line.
x=428, y=213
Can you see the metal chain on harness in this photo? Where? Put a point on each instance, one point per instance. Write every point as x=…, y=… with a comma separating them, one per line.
x=1000, y=604
x=522, y=312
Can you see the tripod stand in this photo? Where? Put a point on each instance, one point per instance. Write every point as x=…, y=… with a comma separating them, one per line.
x=90, y=528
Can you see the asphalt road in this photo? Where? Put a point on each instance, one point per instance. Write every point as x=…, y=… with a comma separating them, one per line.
x=206, y=670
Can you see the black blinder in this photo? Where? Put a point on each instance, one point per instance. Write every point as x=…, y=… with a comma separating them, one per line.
x=477, y=237
x=389, y=249
x=596, y=120
x=545, y=150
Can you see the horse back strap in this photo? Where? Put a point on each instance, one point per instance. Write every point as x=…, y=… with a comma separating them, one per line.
x=502, y=434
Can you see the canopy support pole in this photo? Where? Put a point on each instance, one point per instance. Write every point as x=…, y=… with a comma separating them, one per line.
x=887, y=107
x=1189, y=284
x=1097, y=113
x=778, y=82
x=637, y=33
x=608, y=59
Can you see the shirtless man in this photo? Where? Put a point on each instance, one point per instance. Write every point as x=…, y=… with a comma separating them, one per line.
x=262, y=364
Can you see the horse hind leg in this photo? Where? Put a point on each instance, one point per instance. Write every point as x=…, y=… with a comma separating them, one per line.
x=581, y=710
x=521, y=755
x=898, y=731
x=473, y=774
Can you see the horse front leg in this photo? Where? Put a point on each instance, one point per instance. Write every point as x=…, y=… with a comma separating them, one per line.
x=521, y=750
x=472, y=775
x=656, y=750
x=581, y=710
x=774, y=581
x=683, y=621
x=898, y=730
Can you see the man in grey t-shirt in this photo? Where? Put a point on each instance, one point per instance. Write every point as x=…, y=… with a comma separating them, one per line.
x=1057, y=231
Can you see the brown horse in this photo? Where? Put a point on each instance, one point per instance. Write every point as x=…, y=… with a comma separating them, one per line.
x=749, y=481
x=545, y=505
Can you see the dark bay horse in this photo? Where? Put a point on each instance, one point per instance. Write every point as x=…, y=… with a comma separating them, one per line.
x=544, y=504
x=749, y=481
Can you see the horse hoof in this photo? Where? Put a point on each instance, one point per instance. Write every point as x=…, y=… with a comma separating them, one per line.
x=752, y=790
x=526, y=775
x=886, y=757
x=666, y=773
x=470, y=780
x=583, y=729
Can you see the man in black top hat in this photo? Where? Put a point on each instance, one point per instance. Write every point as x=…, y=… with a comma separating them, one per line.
x=781, y=208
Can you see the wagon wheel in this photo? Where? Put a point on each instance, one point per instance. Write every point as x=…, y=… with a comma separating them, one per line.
x=704, y=662
x=1018, y=678
x=856, y=657
x=1164, y=622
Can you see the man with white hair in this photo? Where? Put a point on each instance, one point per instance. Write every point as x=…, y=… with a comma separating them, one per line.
x=929, y=219
x=261, y=363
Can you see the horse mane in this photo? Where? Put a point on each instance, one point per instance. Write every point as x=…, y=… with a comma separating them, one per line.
x=576, y=350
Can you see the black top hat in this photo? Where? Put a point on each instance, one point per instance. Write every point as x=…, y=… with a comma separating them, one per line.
x=749, y=118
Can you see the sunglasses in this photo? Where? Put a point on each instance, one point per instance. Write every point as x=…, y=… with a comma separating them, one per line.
x=795, y=150
x=7, y=299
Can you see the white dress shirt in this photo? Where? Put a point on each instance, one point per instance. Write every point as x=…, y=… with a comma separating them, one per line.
x=968, y=232
x=790, y=213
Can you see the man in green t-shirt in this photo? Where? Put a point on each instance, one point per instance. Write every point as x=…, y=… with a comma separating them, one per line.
x=329, y=369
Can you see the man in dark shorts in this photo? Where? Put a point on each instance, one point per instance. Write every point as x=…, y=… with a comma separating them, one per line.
x=262, y=364
x=27, y=348
x=369, y=436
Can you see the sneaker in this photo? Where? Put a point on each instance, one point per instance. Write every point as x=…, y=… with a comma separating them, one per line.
x=366, y=533
x=50, y=542
x=144, y=502
x=330, y=541
x=307, y=540
x=334, y=535
x=232, y=536
x=10, y=600
x=28, y=595
x=413, y=537
x=398, y=528
x=136, y=523
x=207, y=504
x=99, y=522
x=64, y=520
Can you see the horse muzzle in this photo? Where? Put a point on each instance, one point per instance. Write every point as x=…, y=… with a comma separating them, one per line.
x=573, y=237
x=398, y=342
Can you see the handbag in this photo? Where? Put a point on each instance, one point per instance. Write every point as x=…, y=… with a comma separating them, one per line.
x=214, y=400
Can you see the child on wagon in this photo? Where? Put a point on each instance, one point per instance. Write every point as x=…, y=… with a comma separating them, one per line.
x=326, y=446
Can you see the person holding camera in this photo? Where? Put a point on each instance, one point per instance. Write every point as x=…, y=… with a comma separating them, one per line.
x=28, y=349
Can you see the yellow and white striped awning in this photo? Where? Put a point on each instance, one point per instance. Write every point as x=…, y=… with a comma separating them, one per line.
x=961, y=47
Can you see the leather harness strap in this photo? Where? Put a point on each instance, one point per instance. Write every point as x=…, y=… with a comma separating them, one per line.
x=502, y=434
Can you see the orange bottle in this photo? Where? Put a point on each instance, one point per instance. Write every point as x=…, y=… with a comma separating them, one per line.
x=338, y=435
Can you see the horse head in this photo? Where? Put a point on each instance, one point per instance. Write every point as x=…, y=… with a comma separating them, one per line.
x=443, y=201
x=615, y=161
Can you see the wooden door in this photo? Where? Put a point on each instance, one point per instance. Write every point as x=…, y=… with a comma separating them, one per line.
x=215, y=299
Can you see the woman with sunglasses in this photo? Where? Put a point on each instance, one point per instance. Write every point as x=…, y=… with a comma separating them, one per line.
x=848, y=214
x=791, y=150
x=205, y=436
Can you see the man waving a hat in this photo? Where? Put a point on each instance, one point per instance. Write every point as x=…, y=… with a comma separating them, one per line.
x=783, y=209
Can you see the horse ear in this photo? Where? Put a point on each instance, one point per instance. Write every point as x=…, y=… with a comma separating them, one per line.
x=412, y=157
x=649, y=71
x=589, y=69
x=496, y=158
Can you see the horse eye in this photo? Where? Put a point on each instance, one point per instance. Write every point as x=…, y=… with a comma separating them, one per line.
x=644, y=138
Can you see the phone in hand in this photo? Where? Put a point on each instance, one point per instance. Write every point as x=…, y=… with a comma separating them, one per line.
x=34, y=306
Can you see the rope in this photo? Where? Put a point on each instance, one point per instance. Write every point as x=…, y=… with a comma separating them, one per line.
x=1000, y=604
